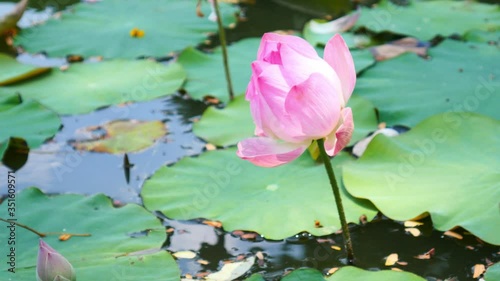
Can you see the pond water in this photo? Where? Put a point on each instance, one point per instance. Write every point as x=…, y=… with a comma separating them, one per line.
x=57, y=168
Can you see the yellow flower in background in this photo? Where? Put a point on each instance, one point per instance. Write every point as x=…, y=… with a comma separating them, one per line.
x=136, y=32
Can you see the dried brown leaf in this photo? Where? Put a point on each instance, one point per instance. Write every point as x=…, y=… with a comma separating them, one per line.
x=391, y=259
x=479, y=269
x=453, y=234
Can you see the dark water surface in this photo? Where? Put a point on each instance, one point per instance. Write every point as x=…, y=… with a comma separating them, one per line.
x=57, y=168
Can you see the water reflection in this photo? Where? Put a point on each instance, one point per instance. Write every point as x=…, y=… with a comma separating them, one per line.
x=57, y=168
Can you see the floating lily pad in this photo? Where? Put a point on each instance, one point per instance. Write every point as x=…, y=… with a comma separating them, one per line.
x=261, y=199
x=450, y=154
x=320, y=39
x=228, y=126
x=13, y=71
x=362, y=59
x=493, y=272
x=350, y=273
x=86, y=87
x=80, y=30
x=26, y=119
x=205, y=72
x=483, y=36
x=304, y=274
x=122, y=136
x=358, y=274
x=458, y=77
x=101, y=256
x=426, y=19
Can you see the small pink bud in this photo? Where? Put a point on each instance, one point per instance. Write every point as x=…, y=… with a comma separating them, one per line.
x=52, y=266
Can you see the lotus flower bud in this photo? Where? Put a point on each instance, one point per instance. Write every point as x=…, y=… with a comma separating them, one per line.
x=52, y=266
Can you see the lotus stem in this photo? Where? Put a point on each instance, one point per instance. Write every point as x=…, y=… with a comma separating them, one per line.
x=43, y=234
x=223, y=44
x=338, y=201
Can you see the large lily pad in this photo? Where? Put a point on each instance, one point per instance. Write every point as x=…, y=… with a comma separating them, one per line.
x=320, y=39
x=228, y=126
x=122, y=136
x=493, y=272
x=350, y=273
x=13, y=71
x=98, y=257
x=26, y=119
x=450, y=155
x=483, y=36
x=426, y=19
x=86, y=87
x=354, y=273
x=458, y=77
x=205, y=72
x=80, y=30
x=260, y=199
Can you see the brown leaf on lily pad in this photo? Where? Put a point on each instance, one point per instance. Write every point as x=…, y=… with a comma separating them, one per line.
x=336, y=26
x=121, y=136
x=399, y=47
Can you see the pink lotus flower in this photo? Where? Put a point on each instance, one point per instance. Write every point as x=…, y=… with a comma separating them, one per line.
x=296, y=97
x=52, y=266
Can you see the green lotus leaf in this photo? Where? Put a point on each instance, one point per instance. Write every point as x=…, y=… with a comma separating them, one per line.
x=493, y=272
x=358, y=274
x=304, y=274
x=122, y=136
x=350, y=273
x=205, y=72
x=227, y=126
x=483, y=36
x=110, y=253
x=261, y=199
x=426, y=19
x=458, y=77
x=315, y=38
x=362, y=59
x=85, y=87
x=450, y=155
x=14, y=71
x=25, y=119
x=106, y=28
